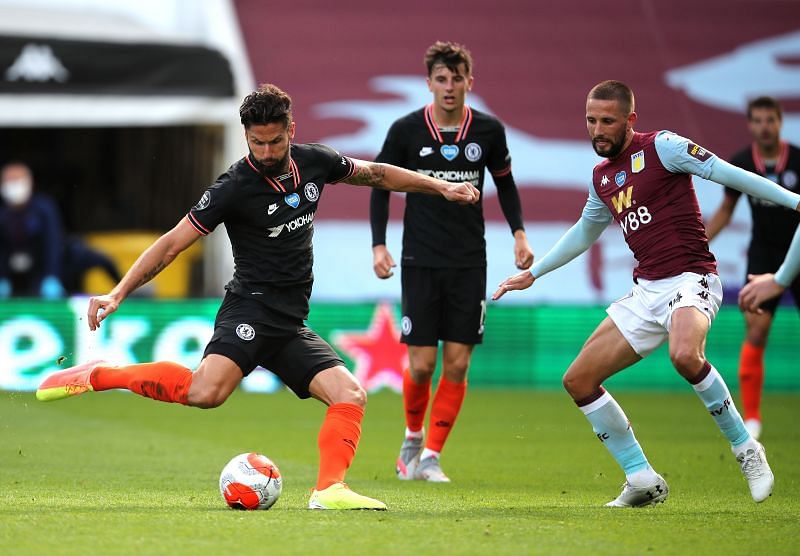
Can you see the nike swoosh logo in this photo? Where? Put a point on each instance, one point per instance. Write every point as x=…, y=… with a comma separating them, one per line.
x=272, y=208
x=425, y=151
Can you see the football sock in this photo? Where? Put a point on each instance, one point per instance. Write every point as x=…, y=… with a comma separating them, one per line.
x=415, y=401
x=428, y=453
x=163, y=380
x=710, y=387
x=444, y=410
x=751, y=379
x=414, y=434
x=337, y=441
x=614, y=430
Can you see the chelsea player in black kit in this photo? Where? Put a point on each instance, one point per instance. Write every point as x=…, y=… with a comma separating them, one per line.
x=444, y=250
x=267, y=201
x=773, y=229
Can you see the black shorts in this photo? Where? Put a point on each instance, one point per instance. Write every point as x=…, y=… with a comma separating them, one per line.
x=763, y=258
x=251, y=334
x=443, y=304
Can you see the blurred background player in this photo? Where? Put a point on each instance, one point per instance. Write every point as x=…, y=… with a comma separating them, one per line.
x=773, y=227
x=444, y=250
x=762, y=287
x=267, y=201
x=645, y=185
x=31, y=241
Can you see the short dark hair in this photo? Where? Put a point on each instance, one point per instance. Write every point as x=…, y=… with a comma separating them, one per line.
x=450, y=54
x=268, y=104
x=764, y=102
x=614, y=90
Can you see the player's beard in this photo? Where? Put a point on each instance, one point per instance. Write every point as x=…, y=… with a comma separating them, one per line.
x=274, y=169
x=615, y=145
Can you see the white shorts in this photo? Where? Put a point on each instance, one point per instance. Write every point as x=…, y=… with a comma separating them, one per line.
x=644, y=316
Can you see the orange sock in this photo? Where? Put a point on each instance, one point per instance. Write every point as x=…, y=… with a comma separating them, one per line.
x=163, y=381
x=415, y=401
x=446, y=405
x=337, y=441
x=751, y=379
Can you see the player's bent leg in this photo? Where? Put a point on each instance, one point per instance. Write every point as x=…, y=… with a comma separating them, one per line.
x=446, y=406
x=338, y=440
x=213, y=381
x=687, y=342
x=416, y=394
x=605, y=353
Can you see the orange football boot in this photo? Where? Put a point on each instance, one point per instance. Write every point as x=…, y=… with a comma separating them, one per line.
x=66, y=383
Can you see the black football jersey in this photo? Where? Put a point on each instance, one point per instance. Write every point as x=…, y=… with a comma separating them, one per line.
x=270, y=222
x=436, y=232
x=772, y=224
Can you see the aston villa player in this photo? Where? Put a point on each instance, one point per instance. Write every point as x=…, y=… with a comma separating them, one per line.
x=645, y=186
x=444, y=250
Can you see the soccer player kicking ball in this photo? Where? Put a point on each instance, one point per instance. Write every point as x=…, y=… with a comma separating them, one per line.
x=645, y=185
x=267, y=201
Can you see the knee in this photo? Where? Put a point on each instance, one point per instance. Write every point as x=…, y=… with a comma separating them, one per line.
x=574, y=385
x=422, y=370
x=207, y=397
x=354, y=395
x=757, y=336
x=456, y=370
x=687, y=361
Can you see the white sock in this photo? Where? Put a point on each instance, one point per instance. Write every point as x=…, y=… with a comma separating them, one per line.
x=427, y=453
x=415, y=434
x=642, y=478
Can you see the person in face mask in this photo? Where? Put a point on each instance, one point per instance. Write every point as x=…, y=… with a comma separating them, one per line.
x=31, y=241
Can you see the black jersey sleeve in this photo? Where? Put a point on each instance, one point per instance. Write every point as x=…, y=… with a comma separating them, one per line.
x=393, y=150
x=212, y=208
x=338, y=166
x=508, y=195
x=499, y=160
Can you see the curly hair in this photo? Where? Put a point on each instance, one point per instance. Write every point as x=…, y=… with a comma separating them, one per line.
x=266, y=105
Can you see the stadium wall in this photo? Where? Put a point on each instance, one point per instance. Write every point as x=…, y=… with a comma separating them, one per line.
x=526, y=346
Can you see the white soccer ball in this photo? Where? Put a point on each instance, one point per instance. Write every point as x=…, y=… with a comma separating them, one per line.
x=250, y=482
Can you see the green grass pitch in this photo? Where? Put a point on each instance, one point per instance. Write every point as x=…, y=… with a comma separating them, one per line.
x=112, y=473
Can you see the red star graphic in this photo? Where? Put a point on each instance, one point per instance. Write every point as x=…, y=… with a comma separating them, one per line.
x=378, y=354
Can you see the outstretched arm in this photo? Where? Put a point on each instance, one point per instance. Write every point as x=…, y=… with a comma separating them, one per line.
x=726, y=173
x=394, y=178
x=575, y=241
x=154, y=259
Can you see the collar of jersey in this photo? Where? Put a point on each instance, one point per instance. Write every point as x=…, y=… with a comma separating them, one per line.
x=433, y=127
x=780, y=165
x=276, y=184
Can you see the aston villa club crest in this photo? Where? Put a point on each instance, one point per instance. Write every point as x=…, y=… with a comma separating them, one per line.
x=637, y=162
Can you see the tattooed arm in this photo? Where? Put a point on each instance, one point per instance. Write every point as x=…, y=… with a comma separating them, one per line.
x=394, y=178
x=154, y=259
